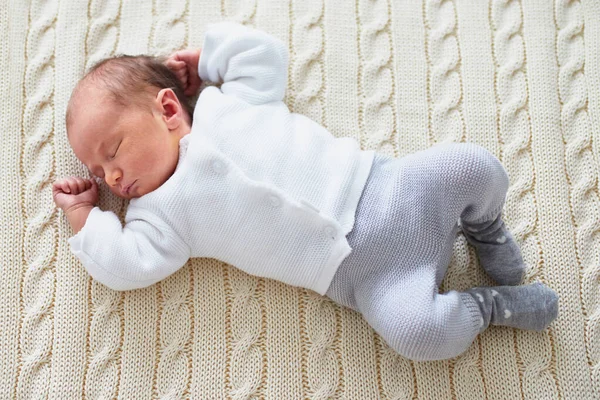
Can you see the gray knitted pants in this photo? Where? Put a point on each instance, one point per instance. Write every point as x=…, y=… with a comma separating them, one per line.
x=402, y=242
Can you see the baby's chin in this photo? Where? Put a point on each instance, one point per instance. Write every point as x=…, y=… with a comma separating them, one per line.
x=126, y=196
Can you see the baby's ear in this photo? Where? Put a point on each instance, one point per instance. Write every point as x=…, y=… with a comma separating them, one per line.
x=171, y=109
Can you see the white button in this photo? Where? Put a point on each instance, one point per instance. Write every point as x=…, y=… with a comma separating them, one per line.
x=274, y=200
x=330, y=232
x=219, y=167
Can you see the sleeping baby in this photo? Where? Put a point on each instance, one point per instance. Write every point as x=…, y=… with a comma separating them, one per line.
x=241, y=179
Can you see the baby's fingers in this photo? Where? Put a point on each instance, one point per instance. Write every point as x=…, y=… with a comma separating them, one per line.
x=175, y=65
x=57, y=187
x=84, y=184
x=94, y=185
x=181, y=75
x=72, y=185
x=63, y=185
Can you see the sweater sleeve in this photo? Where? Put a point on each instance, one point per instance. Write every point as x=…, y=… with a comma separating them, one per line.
x=131, y=257
x=251, y=63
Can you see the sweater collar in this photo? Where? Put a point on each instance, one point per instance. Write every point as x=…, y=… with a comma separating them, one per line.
x=183, y=146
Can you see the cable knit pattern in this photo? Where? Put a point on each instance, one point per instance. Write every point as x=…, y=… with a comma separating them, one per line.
x=307, y=47
x=395, y=373
x=103, y=33
x=170, y=30
x=174, y=332
x=40, y=235
x=377, y=80
x=213, y=331
x=583, y=177
x=244, y=14
x=105, y=337
x=515, y=131
x=320, y=360
x=520, y=215
x=445, y=86
x=246, y=351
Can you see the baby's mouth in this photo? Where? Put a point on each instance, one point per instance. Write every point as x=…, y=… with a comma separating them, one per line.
x=128, y=187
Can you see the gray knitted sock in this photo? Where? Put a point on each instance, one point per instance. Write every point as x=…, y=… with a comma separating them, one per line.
x=498, y=252
x=530, y=307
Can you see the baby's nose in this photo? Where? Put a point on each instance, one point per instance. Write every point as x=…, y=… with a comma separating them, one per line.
x=113, y=178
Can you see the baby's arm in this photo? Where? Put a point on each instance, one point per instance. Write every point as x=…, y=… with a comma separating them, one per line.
x=137, y=255
x=250, y=63
x=140, y=254
x=78, y=217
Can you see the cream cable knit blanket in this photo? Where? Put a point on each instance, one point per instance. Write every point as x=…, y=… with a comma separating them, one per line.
x=519, y=77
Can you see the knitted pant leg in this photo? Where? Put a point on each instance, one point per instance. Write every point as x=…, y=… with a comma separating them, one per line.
x=499, y=254
x=414, y=320
x=402, y=242
x=477, y=183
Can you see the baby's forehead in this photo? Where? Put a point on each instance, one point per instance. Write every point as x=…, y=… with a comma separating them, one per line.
x=85, y=98
x=110, y=95
x=90, y=91
x=90, y=110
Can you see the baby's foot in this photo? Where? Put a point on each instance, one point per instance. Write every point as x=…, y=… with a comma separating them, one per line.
x=498, y=252
x=530, y=307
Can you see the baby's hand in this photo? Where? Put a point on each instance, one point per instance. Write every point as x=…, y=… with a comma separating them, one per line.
x=184, y=64
x=74, y=192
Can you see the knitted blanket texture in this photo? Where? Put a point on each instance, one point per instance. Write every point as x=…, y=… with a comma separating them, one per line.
x=519, y=77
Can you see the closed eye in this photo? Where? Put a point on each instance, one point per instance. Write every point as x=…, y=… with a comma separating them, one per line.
x=114, y=155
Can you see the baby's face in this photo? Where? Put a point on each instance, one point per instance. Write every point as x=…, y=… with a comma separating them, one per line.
x=134, y=150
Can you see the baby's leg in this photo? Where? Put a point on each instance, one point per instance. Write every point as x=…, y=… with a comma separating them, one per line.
x=414, y=320
x=423, y=325
x=485, y=183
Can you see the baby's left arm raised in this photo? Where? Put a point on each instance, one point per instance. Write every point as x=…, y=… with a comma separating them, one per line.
x=130, y=257
x=251, y=63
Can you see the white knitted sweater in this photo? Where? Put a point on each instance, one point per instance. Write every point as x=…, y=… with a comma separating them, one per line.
x=521, y=78
x=258, y=187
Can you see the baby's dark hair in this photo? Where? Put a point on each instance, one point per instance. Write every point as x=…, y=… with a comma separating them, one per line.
x=128, y=80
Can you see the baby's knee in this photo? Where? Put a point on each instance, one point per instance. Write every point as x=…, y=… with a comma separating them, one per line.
x=422, y=338
x=471, y=167
x=482, y=164
x=419, y=325
x=427, y=342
